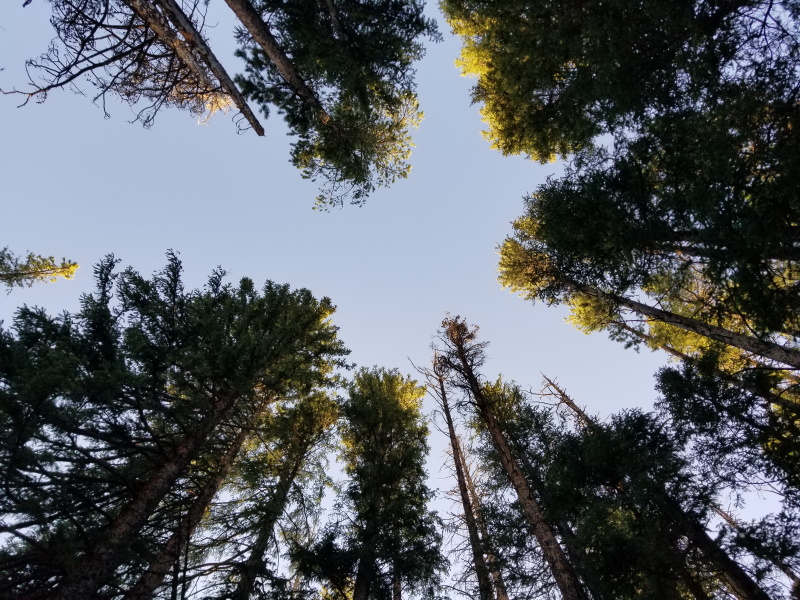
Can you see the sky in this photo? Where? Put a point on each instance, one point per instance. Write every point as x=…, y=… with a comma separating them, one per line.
x=78, y=185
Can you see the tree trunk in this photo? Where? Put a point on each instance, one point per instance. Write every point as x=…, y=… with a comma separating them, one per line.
x=481, y=571
x=364, y=578
x=252, y=567
x=148, y=12
x=770, y=350
x=397, y=586
x=784, y=568
x=170, y=552
x=98, y=566
x=255, y=25
x=566, y=579
x=728, y=570
x=491, y=556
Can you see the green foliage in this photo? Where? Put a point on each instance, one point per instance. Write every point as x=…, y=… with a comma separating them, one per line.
x=16, y=271
x=393, y=538
x=357, y=58
x=93, y=404
x=553, y=75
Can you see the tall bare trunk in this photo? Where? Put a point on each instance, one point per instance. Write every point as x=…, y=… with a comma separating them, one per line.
x=193, y=42
x=491, y=554
x=255, y=25
x=170, y=551
x=770, y=350
x=566, y=579
x=481, y=570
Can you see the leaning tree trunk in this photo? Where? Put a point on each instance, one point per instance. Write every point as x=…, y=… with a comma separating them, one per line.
x=565, y=576
x=728, y=570
x=481, y=570
x=98, y=566
x=252, y=21
x=770, y=350
x=170, y=551
x=193, y=41
x=253, y=566
x=654, y=343
x=491, y=554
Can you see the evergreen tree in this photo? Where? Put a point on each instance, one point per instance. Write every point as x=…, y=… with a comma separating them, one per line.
x=392, y=545
x=111, y=411
x=553, y=75
x=341, y=72
x=464, y=355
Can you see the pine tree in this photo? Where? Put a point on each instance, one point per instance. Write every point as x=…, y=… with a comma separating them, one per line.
x=112, y=410
x=392, y=543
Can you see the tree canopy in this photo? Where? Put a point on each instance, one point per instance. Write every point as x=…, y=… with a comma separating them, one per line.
x=340, y=72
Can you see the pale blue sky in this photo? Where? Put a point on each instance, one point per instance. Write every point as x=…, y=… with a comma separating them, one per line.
x=77, y=185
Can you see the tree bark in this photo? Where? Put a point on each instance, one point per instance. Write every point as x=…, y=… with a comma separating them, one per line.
x=252, y=21
x=728, y=570
x=153, y=19
x=491, y=556
x=170, y=552
x=566, y=579
x=770, y=350
x=481, y=570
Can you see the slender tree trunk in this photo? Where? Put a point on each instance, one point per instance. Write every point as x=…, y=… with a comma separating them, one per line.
x=397, y=585
x=784, y=568
x=566, y=579
x=770, y=350
x=98, y=566
x=728, y=570
x=364, y=578
x=252, y=21
x=193, y=41
x=481, y=571
x=491, y=555
x=767, y=396
x=253, y=566
x=170, y=551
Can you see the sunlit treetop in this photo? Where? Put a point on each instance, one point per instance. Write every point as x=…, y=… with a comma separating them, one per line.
x=18, y=271
x=553, y=75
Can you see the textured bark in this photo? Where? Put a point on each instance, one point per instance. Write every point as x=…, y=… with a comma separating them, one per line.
x=98, y=566
x=252, y=21
x=170, y=552
x=192, y=42
x=397, y=586
x=770, y=350
x=566, y=579
x=481, y=570
x=364, y=578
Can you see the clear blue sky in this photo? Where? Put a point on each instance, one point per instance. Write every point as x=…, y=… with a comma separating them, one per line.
x=77, y=185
